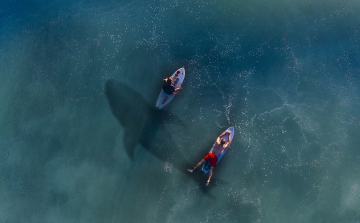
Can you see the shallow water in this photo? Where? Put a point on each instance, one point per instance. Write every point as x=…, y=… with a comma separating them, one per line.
x=81, y=140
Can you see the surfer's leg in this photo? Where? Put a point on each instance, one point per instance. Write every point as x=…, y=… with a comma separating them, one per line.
x=197, y=165
x=210, y=175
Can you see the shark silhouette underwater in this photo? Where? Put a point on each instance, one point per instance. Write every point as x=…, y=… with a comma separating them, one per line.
x=145, y=125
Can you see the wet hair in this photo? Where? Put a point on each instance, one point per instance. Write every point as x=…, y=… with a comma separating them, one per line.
x=222, y=141
x=168, y=81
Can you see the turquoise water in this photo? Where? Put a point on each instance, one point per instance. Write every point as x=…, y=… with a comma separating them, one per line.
x=81, y=140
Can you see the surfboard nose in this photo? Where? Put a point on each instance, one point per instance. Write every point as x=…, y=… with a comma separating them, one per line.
x=182, y=70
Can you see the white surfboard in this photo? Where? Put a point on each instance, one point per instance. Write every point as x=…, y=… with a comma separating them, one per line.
x=206, y=165
x=177, y=79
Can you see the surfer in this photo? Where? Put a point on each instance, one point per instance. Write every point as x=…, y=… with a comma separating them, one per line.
x=219, y=146
x=169, y=88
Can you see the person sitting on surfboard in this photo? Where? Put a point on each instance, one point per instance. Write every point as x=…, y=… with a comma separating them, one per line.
x=219, y=146
x=169, y=88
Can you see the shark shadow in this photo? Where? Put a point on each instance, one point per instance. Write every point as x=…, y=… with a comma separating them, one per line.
x=145, y=125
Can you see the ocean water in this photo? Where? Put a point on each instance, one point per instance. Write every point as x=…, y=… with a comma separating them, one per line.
x=81, y=140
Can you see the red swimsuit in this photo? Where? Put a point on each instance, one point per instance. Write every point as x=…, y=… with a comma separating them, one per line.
x=212, y=158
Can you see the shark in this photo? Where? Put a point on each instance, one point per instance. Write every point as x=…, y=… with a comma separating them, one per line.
x=146, y=125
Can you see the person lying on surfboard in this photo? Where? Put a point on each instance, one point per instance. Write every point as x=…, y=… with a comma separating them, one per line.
x=169, y=88
x=219, y=146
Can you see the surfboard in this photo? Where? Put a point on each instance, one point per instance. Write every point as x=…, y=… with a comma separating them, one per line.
x=177, y=79
x=206, y=165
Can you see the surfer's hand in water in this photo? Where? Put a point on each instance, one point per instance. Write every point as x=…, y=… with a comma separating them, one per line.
x=190, y=170
x=207, y=183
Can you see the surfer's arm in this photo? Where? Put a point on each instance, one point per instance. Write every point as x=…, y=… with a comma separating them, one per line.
x=176, y=90
x=165, y=80
x=210, y=175
x=219, y=138
x=228, y=142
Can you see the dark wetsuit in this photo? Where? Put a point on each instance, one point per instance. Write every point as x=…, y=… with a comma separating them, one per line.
x=169, y=89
